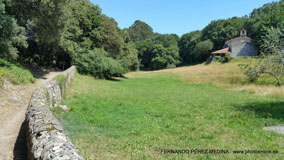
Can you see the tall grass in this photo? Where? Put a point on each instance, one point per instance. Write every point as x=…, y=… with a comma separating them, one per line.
x=229, y=75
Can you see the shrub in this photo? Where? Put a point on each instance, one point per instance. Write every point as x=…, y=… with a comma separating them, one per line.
x=97, y=64
x=5, y=63
x=225, y=58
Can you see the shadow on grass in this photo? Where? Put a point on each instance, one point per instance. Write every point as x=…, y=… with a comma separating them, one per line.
x=117, y=79
x=273, y=110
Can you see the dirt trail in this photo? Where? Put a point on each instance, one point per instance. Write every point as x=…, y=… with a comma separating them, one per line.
x=13, y=104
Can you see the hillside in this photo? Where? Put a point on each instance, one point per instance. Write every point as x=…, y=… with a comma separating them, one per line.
x=230, y=76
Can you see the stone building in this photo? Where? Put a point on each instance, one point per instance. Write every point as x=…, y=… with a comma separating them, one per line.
x=240, y=46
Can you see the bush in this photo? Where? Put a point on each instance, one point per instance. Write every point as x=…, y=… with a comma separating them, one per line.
x=97, y=64
x=129, y=60
x=5, y=63
x=225, y=58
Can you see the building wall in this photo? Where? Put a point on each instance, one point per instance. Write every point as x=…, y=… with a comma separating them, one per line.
x=244, y=49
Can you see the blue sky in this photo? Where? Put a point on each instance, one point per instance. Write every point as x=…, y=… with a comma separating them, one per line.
x=176, y=16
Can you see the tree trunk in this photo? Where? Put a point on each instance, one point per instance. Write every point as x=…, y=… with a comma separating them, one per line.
x=53, y=56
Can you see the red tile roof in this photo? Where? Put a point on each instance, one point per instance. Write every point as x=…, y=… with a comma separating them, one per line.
x=222, y=51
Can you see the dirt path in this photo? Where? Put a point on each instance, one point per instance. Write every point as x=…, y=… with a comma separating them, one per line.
x=13, y=104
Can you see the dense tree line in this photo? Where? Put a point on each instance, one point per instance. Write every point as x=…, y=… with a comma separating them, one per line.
x=12, y=35
x=219, y=31
x=155, y=51
x=61, y=33
x=195, y=47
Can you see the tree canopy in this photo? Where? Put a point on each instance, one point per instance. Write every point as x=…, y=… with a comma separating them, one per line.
x=140, y=31
x=158, y=52
x=12, y=36
x=61, y=33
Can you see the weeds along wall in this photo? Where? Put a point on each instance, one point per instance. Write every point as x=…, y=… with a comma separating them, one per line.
x=45, y=136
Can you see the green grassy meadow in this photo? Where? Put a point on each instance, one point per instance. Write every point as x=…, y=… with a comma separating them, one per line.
x=136, y=118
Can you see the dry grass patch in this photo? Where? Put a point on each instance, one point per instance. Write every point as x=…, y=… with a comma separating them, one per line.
x=265, y=90
x=217, y=74
x=227, y=75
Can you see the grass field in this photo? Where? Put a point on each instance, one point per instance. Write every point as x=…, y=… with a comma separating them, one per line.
x=230, y=76
x=135, y=118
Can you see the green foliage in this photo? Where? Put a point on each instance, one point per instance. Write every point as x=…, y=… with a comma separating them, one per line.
x=167, y=40
x=61, y=79
x=11, y=35
x=49, y=19
x=159, y=60
x=244, y=59
x=222, y=30
x=140, y=31
x=129, y=57
x=82, y=29
x=15, y=72
x=69, y=31
x=111, y=37
x=60, y=32
x=270, y=15
x=224, y=59
x=157, y=110
x=97, y=64
x=45, y=21
x=201, y=50
x=249, y=72
x=273, y=57
x=195, y=46
x=159, y=52
x=187, y=45
x=56, y=110
x=88, y=30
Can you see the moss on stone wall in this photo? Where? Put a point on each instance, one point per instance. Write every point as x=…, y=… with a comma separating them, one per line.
x=61, y=79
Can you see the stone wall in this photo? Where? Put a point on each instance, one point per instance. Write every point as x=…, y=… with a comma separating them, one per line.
x=244, y=49
x=45, y=136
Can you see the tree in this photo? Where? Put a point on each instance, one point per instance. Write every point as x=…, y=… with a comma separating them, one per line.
x=11, y=35
x=153, y=55
x=272, y=62
x=159, y=52
x=166, y=40
x=140, y=31
x=222, y=30
x=44, y=20
x=201, y=50
x=187, y=44
x=82, y=31
x=270, y=15
x=97, y=64
x=129, y=57
x=110, y=37
x=159, y=60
